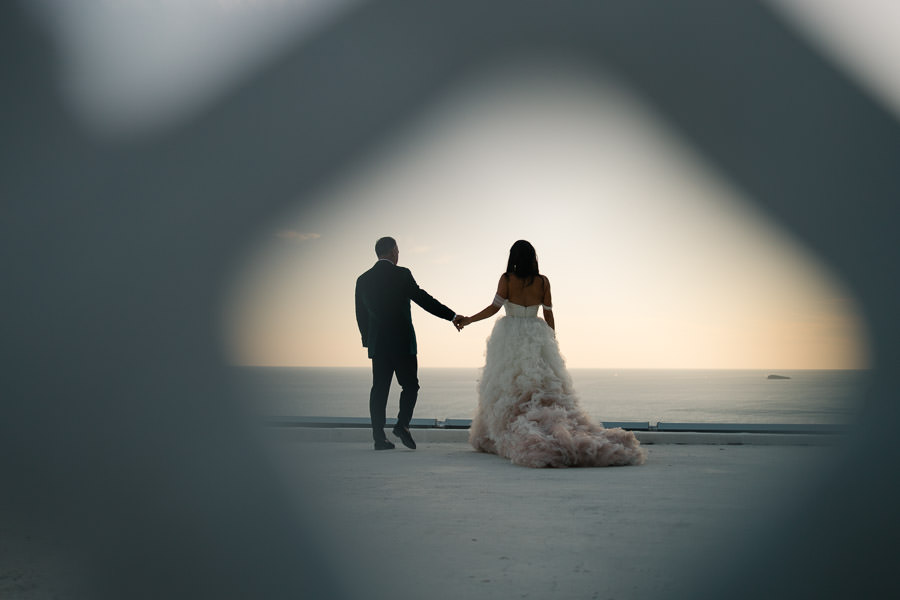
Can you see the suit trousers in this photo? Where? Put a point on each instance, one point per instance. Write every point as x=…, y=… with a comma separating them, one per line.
x=383, y=369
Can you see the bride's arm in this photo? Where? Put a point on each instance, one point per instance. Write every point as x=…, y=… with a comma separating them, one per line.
x=548, y=304
x=488, y=311
x=493, y=307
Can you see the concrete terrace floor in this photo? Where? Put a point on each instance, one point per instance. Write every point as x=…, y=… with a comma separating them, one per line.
x=445, y=522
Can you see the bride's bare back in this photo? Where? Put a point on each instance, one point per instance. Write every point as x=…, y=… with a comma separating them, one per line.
x=519, y=291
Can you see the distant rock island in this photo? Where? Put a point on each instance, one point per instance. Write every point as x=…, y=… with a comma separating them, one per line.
x=773, y=376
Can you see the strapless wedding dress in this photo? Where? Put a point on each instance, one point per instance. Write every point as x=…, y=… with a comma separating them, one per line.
x=527, y=408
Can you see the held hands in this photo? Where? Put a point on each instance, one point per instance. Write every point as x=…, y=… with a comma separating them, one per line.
x=460, y=321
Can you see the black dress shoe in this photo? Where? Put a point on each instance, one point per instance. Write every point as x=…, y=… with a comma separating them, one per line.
x=384, y=445
x=405, y=437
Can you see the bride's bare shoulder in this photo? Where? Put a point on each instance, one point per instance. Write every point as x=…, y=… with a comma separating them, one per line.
x=503, y=285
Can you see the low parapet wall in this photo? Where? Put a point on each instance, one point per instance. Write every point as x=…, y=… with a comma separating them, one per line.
x=322, y=432
x=363, y=423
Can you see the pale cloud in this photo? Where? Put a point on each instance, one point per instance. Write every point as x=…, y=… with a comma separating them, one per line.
x=296, y=236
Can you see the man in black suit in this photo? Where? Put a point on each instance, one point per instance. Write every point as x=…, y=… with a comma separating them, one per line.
x=382, y=313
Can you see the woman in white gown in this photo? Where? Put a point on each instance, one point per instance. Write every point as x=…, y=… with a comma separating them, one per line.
x=527, y=408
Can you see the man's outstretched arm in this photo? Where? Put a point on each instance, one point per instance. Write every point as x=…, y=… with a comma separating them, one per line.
x=424, y=299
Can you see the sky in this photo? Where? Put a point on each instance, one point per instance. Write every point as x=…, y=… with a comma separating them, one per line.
x=655, y=260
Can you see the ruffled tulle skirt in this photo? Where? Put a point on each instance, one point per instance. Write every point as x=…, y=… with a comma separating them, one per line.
x=527, y=408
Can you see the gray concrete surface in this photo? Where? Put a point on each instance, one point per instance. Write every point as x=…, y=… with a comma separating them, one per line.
x=445, y=522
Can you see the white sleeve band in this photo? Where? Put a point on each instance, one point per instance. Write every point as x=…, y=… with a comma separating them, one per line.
x=498, y=300
x=545, y=307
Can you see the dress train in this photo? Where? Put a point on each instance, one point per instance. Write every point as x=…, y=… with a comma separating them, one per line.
x=527, y=408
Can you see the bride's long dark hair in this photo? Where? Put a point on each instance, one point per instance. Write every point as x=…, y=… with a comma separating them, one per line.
x=523, y=262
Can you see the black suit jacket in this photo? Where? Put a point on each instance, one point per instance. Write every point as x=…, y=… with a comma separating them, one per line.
x=382, y=309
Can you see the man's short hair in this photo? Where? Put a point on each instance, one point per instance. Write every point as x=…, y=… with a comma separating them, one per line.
x=384, y=246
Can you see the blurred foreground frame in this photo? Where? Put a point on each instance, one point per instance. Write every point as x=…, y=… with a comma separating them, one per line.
x=120, y=431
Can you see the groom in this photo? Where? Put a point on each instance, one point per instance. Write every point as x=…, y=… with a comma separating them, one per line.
x=382, y=313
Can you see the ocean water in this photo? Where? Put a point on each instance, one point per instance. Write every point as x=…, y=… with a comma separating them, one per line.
x=654, y=395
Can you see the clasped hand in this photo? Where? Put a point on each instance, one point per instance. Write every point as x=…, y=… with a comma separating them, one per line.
x=460, y=321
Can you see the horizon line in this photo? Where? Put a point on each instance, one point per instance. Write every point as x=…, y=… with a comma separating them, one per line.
x=771, y=369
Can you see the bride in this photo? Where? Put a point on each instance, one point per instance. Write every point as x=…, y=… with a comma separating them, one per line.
x=527, y=409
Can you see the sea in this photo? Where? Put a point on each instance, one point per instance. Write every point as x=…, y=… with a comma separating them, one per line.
x=652, y=395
